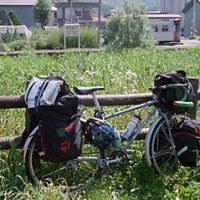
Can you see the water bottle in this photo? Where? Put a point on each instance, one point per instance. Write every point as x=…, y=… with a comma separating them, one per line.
x=131, y=127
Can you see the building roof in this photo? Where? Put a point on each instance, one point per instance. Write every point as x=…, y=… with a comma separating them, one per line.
x=76, y=4
x=18, y=2
x=188, y=6
x=163, y=15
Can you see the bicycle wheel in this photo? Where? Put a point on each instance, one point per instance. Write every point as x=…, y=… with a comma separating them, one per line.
x=162, y=149
x=78, y=174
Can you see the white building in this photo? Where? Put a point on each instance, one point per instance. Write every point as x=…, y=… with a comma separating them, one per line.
x=166, y=27
x=174, y=7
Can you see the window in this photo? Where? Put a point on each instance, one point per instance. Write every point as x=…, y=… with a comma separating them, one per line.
x=164, y=28
x=165, y=19
x=55, y=15
x=86, y=14
x=78, y=13
x=154, y=28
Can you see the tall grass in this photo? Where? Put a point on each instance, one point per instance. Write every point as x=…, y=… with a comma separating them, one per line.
x=54, y=39
x=125, y=72
x=49, y=39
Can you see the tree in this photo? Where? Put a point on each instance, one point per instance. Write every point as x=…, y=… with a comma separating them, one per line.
x=128, y=27
x=42, y=11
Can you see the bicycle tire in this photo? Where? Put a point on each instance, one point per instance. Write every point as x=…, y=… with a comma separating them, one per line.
x=77, y=174
x=162, y=149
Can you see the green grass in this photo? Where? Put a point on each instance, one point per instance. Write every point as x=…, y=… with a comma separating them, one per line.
x=124, y=72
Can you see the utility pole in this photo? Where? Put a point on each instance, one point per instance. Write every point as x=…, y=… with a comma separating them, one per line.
x=164, y=7
x=193, y=26
x=194, y=13
x=71, y=6
x=99, y=23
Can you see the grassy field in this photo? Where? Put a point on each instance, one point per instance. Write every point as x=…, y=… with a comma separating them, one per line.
x=124, y=72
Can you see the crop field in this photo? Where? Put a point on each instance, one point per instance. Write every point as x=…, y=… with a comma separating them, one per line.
x=130, y=71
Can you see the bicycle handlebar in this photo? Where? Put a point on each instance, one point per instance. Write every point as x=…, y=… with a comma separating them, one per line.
x=180, y=86
x=174, y=86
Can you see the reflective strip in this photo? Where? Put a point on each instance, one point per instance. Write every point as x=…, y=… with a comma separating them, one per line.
x=185, y=148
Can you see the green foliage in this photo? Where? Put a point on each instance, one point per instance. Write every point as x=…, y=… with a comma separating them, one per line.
x=47, y=39
x=12, y=42
x=14, y=18
x=88, y=39
x=128, y=27
x=17, y=45
x=42, y=11
x=54, y=39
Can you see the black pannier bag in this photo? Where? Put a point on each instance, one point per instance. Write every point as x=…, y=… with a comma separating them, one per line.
x=53, y=107
x=186, y=135
x=168, y=96
x=60, y=130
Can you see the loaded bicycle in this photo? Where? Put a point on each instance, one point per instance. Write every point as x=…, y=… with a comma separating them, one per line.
x=103, y=147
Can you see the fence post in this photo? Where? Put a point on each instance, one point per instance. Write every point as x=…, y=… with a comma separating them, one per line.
x=195, y=84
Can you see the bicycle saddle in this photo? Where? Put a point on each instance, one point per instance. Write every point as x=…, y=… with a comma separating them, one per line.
x=87, y=90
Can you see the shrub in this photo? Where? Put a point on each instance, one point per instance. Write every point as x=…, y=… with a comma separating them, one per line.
x=50, y=39
x=14, y=18
x=47, y=39
x=10, y=37
x=12, y=41
x=54, y=39
x=127, y=27
x=88, y=38
x=18, y=45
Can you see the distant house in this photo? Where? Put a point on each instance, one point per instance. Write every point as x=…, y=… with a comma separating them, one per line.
x=22, y=8
x=189, y=17
x=174, y=7
x=166, y=27
x=83, y=13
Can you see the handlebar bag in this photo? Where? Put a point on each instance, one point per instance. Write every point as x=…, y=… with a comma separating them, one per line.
x=186, y=135
x=168, y=96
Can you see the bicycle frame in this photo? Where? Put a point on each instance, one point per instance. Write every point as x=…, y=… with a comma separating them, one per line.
x=136, y=132
x=142, y=124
